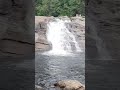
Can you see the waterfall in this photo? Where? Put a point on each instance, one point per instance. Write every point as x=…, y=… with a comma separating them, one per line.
x=61, y=39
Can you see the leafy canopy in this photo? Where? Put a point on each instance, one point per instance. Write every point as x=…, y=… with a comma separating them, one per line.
x=59, y=7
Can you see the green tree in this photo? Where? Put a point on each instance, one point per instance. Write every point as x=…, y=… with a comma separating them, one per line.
x=59, y=7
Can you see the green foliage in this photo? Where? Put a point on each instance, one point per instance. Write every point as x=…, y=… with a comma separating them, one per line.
x=59, y=7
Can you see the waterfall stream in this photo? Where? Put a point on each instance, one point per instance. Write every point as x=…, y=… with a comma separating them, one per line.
x=66, y=58
x=62, y=40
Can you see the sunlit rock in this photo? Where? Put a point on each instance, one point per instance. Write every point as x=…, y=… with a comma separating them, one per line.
x=69, y=85
x=38, y=87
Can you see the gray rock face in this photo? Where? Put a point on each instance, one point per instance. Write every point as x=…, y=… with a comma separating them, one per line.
x=102, y=29
x=16, y=28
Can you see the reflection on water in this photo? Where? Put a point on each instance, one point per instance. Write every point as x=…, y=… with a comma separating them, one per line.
x=50, y=69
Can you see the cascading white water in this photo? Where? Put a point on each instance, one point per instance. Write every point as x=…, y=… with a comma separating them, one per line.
x=62, y=40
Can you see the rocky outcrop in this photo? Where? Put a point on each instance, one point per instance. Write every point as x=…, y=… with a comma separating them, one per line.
x=69, y=85
x=41, y=43
x=16, y=28
x=77, y=27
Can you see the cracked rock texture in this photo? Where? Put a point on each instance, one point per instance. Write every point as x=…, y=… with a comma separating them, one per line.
x=16, y=28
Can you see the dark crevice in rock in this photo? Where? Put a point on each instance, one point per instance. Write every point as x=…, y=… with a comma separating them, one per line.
x=9, y=52
x=2, y=14
x=17, y=41
x=13, y=2
x=16, y=28
x=42, y=43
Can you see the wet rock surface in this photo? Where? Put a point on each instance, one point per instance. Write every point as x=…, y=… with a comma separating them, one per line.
x=77, y=27
x=41, y=43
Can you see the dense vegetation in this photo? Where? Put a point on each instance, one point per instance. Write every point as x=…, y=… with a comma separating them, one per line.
x=59, y=7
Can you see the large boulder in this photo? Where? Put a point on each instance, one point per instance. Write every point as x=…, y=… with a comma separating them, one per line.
x=69, y=85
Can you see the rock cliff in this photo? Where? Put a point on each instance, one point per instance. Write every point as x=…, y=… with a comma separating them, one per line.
x=16, y=28
x=102, y=29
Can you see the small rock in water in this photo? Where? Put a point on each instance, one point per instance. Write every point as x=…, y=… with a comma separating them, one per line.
x=69, y=85
x=38, y=87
